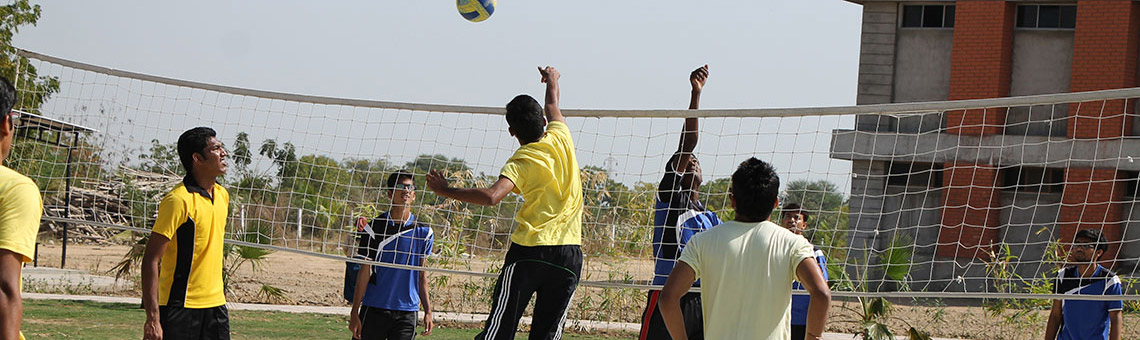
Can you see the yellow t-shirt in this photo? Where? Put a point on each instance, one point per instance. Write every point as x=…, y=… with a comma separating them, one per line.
x=545, y=173
x=20, y=211
x=746, y=272
x=191, y=271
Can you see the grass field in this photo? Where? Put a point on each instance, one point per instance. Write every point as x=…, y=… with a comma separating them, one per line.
x=53, y=319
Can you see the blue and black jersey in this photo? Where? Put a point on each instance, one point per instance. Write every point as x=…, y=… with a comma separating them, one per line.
x=676, y=218
x=1085, y=319
x=396, y=242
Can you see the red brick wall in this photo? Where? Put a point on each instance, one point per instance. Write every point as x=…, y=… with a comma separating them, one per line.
x=970, y=210
x=1105, y=50
x=1092, y=200
x=1104, y=57
x=980, y=67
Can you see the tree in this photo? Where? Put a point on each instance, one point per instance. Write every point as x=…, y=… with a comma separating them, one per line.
x=241, y=155
x=163, y=159
x=424, y=163
x=284, y=157
x=828, y=210
x=32, y=89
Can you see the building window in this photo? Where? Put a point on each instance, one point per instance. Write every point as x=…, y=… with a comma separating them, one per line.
x=1026, y=179
x=927, y=175
x=1131, y=184
x=1047, y=16
x=928, y=16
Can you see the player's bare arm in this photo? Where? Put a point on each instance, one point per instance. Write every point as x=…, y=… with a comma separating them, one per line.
x=550, y=77
x=811, y=277
x=690, y=132
x=680, y=279
x=482, y=196
x=155, y=247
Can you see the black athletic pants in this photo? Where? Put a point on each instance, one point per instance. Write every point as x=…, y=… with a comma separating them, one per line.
x=194, y=324
x=379, y=324
x=653, y=325
x=548, y=272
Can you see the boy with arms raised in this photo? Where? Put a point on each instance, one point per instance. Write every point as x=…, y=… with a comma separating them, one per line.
x=545, y=255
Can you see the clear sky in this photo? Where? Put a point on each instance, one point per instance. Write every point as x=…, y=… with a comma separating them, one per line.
x=628, y=54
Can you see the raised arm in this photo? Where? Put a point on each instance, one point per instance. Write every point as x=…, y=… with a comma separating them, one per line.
x=550, y=77
x=481, y=196
x=690, y=132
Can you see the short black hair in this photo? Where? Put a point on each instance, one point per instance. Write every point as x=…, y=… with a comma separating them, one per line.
x=397, y=176
x=1096, y=236
x=193, y=141
x=755, y=188
x=524, y=116
x=7, y=97
x=795, y=208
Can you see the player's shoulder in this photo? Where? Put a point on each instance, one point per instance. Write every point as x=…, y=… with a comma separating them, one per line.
x=423, y=228
x=12, y=178
x=179, y=193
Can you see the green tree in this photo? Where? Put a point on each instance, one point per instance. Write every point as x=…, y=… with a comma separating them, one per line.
x=240, y=154
x=284, y=156
x=248, y=187
x=32, y=89
x=828, y=225
x=162, y=158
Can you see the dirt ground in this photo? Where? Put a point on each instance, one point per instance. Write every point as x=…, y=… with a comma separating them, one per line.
x=309, y=280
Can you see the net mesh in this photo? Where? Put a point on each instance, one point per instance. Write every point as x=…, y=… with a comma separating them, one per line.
x=975, y=198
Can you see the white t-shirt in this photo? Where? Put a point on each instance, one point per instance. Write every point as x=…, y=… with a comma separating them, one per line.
x=746, y=272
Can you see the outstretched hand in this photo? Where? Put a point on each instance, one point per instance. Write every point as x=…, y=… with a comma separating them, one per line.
x=437, y=182
x=698, y=77
x=549, y=74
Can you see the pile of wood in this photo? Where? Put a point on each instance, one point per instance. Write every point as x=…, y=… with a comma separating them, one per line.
x=103, y=202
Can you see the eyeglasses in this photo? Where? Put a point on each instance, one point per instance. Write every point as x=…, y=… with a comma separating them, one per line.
x=402, y=186
x=1085, y=245
x=14, y=118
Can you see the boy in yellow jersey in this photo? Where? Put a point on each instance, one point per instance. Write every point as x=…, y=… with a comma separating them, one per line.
x=20, y=210
x=545, y=255
x=184, y=298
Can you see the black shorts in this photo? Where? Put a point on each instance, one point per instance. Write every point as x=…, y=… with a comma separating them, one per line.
x=194, y=323
x=799, y=331
x=653, y=326
x=379, y=323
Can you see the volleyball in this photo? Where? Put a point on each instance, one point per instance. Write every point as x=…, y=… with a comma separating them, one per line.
x=475, y=10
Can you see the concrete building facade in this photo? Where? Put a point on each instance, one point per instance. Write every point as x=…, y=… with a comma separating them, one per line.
x=962, y=184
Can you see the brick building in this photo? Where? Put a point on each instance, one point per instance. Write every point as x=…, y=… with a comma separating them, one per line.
x=960, y=183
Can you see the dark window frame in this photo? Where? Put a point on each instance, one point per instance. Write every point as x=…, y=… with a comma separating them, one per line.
x=908, y=174
x=927, y=15
x=1046, y=17
x=1033, y=180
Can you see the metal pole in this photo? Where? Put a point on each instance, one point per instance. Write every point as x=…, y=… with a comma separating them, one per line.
x=67, y=197
x=299, y=210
